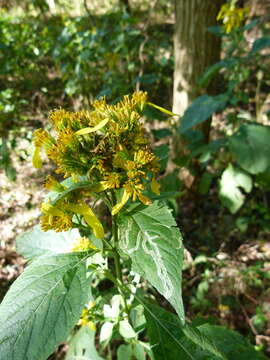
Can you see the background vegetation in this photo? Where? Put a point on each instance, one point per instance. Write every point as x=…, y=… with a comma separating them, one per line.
x=66, y=54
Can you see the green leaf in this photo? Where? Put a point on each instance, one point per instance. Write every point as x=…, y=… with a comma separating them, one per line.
x=200, y=110
x=205, y=183
x=205, y=342
x=250, y=146
x=54, y=196
x=36, y=242
x=199, y=338
x=232, y=344
x=229, y=192
x=126, y=329
x=42, y=306
x=210, y=72
x=164, y=331
x=124, y=352
x=82, y=346
x=260, y=44
x=162, y=152
x=154, y=244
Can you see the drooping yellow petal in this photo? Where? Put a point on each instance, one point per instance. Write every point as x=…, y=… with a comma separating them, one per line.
x=90, y=218
x=49, y=209
x=155, y=186
x=36, y=159
x=92, y=129
x=123, y=201
x=168, y=112
x=144, y=199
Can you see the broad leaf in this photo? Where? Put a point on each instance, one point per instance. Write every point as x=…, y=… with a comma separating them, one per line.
x=36, y=242
x=214, y=69
x=201, y=109
x=250, y=146
x=260, y=44
x=42, y=306
x=229, y=192
x=153, y=242
x=82, y=346
x=168, y=340
x=205, y=342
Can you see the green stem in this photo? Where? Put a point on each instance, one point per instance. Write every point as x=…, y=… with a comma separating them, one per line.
x=116, y=256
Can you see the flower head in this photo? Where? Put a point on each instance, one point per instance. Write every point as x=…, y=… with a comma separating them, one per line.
x=232, y=17
x=106, y=145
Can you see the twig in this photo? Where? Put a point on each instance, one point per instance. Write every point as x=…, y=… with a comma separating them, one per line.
x=89, y=13
x=255, y=332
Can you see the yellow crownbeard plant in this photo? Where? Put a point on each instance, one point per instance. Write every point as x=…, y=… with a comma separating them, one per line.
x=232, y=16
x=107, y=147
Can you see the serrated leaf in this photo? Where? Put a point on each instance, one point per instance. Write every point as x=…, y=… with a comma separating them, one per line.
x=35, y=242
x=164, y=331
x=199, y=338
x=250, y=146
x=82, y=346
x=154, y=244
x=169, y=342
x=42, y=306
x=200, y=110
x=231, y=181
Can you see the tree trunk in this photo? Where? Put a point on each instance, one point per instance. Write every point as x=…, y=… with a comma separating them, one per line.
x=195, y=49
x=125, y=4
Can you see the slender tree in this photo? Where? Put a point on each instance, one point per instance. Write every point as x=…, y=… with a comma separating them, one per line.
x=195, y=48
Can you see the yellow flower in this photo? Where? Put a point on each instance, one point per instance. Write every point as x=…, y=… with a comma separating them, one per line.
x=83, y=244
x=54, y=218
x=133, y=189
x=232, y=17
x=53, y=185
x=144, y=157
x=112, y=181
x=84, y=320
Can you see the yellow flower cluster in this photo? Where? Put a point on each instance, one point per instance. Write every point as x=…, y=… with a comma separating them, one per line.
x=232, y=17
x=83, y=244
x=107, y=146
x=87, y=316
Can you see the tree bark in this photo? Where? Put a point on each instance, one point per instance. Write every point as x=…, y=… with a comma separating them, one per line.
x=126, y=4
x=195, y=49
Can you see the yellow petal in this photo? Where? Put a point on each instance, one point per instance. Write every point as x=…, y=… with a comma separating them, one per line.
x=92, y=325
x=168, y=112
x=95, y=224
x=123, y=201
x=155, y=186
x=92, y=129
x=144, y=199
x=89, y=217
x=36, y=159
x=51, y=210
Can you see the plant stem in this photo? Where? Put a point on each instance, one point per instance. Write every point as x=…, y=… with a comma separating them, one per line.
x=116, y=256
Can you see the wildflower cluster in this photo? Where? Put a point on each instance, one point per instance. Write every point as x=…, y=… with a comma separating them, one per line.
x=107, y=147
x=232, y=17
